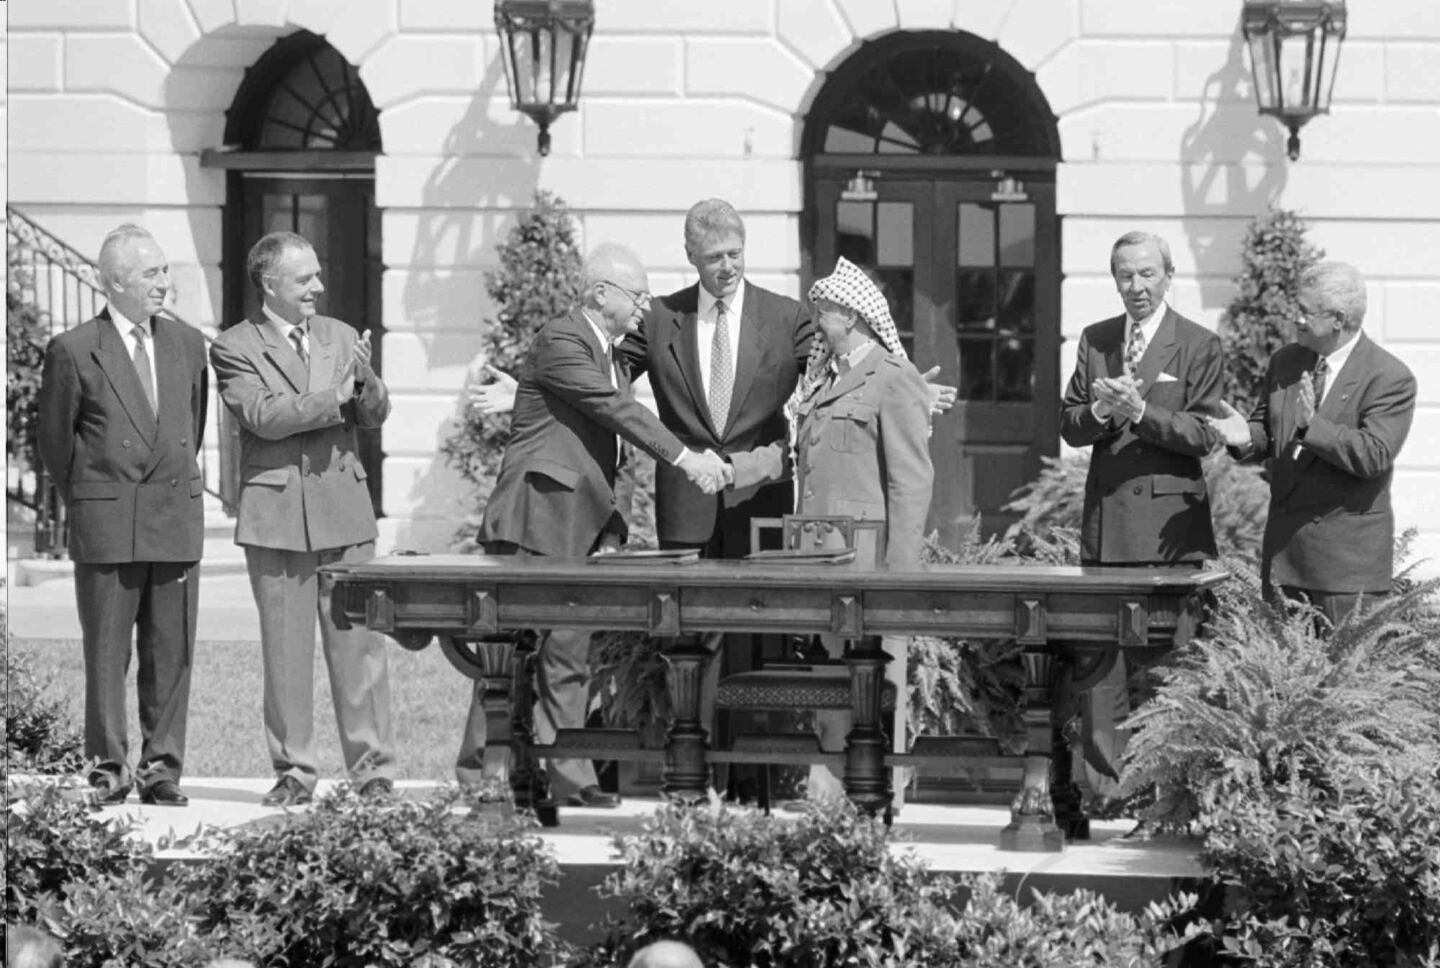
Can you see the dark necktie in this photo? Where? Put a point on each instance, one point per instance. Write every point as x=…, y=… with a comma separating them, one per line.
x=1322, y=370
x=297, y=340
x=722, y=370
x=141, y=359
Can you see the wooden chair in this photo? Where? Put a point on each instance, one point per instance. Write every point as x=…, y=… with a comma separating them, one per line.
x=811, y=681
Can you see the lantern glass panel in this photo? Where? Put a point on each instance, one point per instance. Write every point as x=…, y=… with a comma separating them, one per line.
x=1262, y=58
x=1297, y=62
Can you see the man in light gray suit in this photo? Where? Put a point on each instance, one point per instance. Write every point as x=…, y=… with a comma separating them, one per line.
x=299, y=384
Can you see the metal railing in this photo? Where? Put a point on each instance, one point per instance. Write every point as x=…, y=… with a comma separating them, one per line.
x=63, y=287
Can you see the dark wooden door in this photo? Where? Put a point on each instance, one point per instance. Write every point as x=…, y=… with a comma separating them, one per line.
x=972, y=275
x=337, y=215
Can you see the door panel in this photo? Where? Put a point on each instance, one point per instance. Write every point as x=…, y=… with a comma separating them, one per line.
x=973, y=282
x=339, y=218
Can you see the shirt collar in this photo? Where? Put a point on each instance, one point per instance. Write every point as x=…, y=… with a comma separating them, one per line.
x=733, y=305
x=1336, y=359
x=282, y=326
x=842, y=364
x=606, y=341
x=1149, y=325
x=124, y=324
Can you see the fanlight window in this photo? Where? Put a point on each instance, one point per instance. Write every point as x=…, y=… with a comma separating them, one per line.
x=938, y=95
x=319, y=103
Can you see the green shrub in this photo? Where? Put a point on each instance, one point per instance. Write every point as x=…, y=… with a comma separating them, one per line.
x=537, y=281
x=347, y=884
x=129, y=919
x=826, y=890
x=1261, y=317
x=25, y=338
x=40, y=736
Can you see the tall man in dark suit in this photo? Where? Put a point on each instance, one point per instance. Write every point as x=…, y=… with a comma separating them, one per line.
x=555, y=494
x=121, y=414
x=1334, y=415
x=1144, y=383
x=299, y=384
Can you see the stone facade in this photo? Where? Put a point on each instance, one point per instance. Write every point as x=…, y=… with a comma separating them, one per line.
x=111, y=102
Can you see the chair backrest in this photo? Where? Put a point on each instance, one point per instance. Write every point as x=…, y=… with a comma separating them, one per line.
x=794, y=527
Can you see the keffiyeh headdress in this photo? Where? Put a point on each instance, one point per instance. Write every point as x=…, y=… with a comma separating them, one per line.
x=850, y=287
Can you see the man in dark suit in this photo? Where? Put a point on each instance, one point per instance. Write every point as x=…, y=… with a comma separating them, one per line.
x=555, y=494
x=1334, y=415
x=1144, y=383
x=121, y=414
x=299, y=384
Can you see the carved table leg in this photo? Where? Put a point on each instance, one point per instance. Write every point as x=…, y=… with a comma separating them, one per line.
x=867, y=781
x=531, y=786
x=686, y=773
x=1032, y=814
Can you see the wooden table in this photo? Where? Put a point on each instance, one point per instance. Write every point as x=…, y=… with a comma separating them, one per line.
x=1068, y=618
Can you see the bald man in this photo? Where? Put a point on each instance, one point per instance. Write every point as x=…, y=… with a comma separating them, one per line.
x=555, y=494
x=666, y=954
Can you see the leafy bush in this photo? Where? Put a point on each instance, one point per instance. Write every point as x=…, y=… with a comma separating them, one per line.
x=537, y=281
x=1260, y=319
x=25, y=337
x=129, y=919
x=40, y=737
x=823, y=890
x=347, y=884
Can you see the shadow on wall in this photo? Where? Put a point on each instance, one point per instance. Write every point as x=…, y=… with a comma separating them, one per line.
x=461, y=222
x=1228, y=145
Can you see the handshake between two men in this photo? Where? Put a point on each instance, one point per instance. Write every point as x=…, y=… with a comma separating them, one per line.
x=708, y=471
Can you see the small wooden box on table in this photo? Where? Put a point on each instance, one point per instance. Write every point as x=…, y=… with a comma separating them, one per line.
x=1071, y=621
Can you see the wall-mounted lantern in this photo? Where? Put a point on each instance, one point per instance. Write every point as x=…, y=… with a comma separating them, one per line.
x=1294, y=50
x=543, y=44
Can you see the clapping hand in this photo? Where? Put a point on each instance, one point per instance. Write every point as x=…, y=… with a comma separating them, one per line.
x=1120, y=395
x=1233, y=428
x=942, y=397
x=363, y=352
x=495, y=397
x=1305, y=403
x=345, y=389
x=706, y=471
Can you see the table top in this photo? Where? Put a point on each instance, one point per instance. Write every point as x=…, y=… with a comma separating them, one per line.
x=607, y=570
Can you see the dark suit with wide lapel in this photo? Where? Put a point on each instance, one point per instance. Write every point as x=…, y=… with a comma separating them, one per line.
x=1145, y=495
x=131, y=483
x=304, y=503
x=1331, y=528
x=556, y=495
x=774, y=344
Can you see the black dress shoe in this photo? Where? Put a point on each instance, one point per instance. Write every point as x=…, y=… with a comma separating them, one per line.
x=593, y=796
x=377, y=788
x=164, y=793
x=106, y=795
x=287, y=792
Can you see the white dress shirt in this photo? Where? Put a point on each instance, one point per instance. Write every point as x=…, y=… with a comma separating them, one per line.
x=283, y=328
x=125, y=326
x=1333, y=362
x=705, y=320
x=607, y=343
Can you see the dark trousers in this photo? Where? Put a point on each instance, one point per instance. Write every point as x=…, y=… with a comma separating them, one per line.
x=290, y=594
x=156, y=602
x=562, y=700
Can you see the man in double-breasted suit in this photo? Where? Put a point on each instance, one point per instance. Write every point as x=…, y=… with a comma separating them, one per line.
x=299, y=384
x=1144, y=383
x=121, y=413
x=1334, y=415
x=556, y=494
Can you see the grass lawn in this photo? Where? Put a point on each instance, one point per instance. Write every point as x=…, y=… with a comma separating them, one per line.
x=226, y=736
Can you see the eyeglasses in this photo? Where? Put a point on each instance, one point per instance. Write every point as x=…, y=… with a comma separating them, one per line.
x=637, y=296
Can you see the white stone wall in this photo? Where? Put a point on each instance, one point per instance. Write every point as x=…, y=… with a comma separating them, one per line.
x=112, y=101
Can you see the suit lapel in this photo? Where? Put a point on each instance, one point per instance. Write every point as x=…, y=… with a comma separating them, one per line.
x=280, y=353
x=747, y=359
x=1115, y=350
x=685, y=347
x=1162, y=350
x=119, y=369
x=322, y=354
x=853, y=377
x=172, y=388
x=1342, y=384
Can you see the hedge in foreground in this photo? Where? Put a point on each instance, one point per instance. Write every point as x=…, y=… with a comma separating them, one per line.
x=825, y=890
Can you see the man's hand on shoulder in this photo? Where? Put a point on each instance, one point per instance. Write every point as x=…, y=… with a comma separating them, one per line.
x=497, y=396
x=1232, y=427
x=942, y=397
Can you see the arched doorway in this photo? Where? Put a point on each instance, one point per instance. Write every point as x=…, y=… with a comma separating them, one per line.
x=301, y=140
x=930, y=160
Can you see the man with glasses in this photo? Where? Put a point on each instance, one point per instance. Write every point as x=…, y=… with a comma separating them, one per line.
x=556, y=494
x=1334, y=415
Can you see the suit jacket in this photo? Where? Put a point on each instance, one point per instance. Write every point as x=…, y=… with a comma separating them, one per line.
x=774, y=345
x=863, y=451
x=1145, y=495
x=302, y=486
x=1331, y=527
x=129, y=477
x=556, y=491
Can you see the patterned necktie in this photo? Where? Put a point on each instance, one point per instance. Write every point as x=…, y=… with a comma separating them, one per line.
x=297, y=340
x=1134, y=348
x=141, y=359
x=1322, y=370
x=722, y=369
